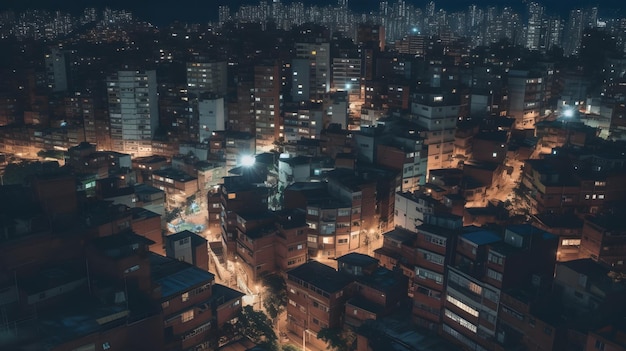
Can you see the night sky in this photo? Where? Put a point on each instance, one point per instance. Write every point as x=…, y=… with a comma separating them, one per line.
x=162, y=12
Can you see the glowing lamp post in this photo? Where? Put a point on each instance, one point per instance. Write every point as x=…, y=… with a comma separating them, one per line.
x=248, y=160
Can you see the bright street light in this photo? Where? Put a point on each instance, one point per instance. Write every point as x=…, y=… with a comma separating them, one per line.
x=568, y=112
x=248, y=160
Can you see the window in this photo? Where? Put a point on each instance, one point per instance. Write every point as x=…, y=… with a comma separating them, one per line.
x=462, y=306
x=599, y=345
x=455, y=317
x=312, y=212
x=432, y=257
x=343, y=212
x=312, y=239
x=342, y=241
x=491, y=295
x=165, y=304
x=437, y=240
x=426, y=274
x=570, y=242
x=497, y=259
x=106, y=346
x=475, y=288
x=186, y=316
x=185, y=297
x=494, y=275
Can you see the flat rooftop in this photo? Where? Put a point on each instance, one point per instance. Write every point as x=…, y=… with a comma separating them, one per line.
x=175, y=276
x=321, y=276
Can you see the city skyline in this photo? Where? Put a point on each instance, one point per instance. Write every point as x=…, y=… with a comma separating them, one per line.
x=198, y=11
x=287, y=175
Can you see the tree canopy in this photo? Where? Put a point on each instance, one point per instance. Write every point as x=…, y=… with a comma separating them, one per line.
x=275, y=299
x=256, y=326
x=337, y=339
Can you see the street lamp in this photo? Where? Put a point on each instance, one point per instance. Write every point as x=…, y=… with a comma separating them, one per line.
x=248, y=160
x=568, y=112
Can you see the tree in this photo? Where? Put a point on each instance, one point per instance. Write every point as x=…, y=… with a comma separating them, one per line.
x=275, y=299
x=290, y=347
x=256, y=326
x=172, y=215
x=337, y=339
x=23, y=172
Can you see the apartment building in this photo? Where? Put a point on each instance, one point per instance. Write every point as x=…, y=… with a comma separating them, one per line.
x=486, y=264
x=316, y=299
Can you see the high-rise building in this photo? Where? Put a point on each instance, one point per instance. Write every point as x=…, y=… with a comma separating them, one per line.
x=525, y=97
x=133, y=111
x=301, y=80
x=347, y=75
x=574, y=30
x=438, y=114
x=486, y=264
x=267, y=100
x=207, y=77
x=318, y=56
x=533, y=29
x=57, y=69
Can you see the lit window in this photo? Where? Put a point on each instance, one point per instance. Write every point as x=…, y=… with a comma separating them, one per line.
x=187, y=316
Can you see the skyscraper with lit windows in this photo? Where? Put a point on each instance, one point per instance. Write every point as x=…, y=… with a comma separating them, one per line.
x=133, y=111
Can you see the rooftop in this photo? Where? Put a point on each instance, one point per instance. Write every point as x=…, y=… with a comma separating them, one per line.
x=401, y=235
x=176, y=277
x=221, y=294
x=296, y=161
x=175, y=174
x=365, y=304
x=146, y=189
x=321, y=276
x=140, y=212
x=196, y=239
x=381, y=279
x=482, y=237
x=121, y=245
x=357, y=259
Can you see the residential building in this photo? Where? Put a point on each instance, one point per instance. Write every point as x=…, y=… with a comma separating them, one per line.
x=438, y=113
x=603, y=240
x=177, y=185
x=316, y=296
x=188, y=247
x=133, y=111
x=485, y=265
x=267, y=102
x=207, y=77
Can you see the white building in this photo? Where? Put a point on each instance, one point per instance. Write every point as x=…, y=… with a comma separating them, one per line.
x=133, y=111
x=410, y=210
x=438, y=114
x=211, y=116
